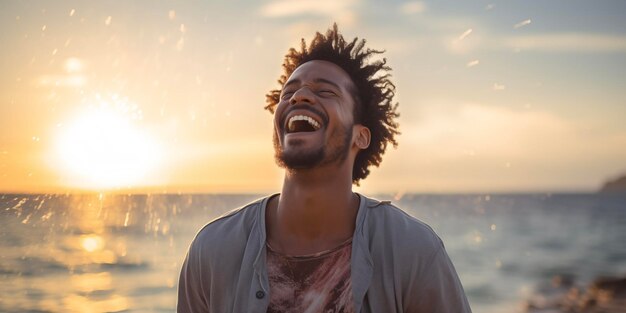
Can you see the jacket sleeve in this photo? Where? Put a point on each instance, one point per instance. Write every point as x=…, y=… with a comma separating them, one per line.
x=436, y=288
x=191, y=293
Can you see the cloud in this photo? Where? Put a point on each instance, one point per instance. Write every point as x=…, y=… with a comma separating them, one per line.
x=62, y=80
x=309, y=13
x=485, y=147
x=471, y=40
x=496, y=131
x=413, y=7
x=488, y=130
x=288, y=8
x=568, y=42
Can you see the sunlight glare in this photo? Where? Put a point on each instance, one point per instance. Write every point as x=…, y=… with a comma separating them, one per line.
x=91, y=243
x=73, y=65
x=102, y=148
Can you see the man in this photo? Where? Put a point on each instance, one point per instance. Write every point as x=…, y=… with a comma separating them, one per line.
x=317, y=246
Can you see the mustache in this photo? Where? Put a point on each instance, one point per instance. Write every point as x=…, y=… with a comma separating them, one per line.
x=304, y=107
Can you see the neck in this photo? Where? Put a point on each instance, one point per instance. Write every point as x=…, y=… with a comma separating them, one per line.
x=315, y=211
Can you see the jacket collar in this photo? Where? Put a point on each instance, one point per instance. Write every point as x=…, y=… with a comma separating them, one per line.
x=260, y=266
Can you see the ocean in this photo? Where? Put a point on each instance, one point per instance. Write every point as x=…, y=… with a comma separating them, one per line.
x=122, y=253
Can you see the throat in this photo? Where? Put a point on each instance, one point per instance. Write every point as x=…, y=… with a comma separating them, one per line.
x=307, y=225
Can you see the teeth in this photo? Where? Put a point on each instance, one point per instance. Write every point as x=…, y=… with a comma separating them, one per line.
x=311, y=121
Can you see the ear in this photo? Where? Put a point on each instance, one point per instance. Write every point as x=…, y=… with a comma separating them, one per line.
x=361, y=136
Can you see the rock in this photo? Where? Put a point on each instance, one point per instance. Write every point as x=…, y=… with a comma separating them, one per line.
x=617, y=185
x=604, y=295
x=616, y=286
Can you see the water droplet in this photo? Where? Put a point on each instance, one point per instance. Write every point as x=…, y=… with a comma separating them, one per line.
x=465, y=34
x=522, y=23
x=472, y=63
x=478, y=238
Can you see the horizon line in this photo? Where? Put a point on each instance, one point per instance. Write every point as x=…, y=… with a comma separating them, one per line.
x=253, y=193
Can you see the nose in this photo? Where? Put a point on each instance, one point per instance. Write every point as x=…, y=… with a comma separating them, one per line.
x=301, y=95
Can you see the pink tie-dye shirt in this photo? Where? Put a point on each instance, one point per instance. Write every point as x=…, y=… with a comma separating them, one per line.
x=313, y=283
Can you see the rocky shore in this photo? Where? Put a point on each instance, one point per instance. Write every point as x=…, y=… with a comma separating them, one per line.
x=604, y=295
x=617, y=185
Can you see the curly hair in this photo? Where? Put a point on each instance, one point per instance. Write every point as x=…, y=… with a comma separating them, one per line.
x=374, y=107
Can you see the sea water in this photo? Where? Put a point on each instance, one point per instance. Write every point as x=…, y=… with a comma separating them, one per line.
x=123, y=253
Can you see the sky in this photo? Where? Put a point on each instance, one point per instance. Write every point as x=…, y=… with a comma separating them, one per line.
x=167, y=96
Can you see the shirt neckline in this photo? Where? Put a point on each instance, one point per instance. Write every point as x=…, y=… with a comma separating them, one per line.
x=315, y=255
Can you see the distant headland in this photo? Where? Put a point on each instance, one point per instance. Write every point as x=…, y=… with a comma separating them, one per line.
x=615, y=185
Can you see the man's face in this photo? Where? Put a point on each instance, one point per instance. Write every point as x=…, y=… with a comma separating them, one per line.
x=314, y=118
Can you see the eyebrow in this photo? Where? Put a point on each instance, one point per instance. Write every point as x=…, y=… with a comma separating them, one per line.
x=317, y=80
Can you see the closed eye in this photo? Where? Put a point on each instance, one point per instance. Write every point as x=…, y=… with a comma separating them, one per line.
x=287, y=94
x=326, y=92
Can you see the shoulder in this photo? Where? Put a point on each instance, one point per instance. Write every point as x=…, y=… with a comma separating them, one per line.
x=415, y=256
x=231, y=229
x=393, y=227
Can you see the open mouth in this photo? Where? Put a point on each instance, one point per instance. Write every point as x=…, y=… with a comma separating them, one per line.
x=302, y=123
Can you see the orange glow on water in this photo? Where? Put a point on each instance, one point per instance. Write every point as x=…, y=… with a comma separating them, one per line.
x=92, y=243
x=114, y=303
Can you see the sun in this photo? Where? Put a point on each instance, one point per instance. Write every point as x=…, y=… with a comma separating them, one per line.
x=102, y=146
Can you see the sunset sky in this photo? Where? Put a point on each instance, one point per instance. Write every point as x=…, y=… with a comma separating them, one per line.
x=167, y=96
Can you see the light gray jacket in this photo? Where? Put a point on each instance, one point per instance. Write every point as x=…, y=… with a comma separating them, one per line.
x=398, y=264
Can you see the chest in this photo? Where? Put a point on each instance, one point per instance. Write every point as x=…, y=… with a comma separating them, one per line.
x=314, y=283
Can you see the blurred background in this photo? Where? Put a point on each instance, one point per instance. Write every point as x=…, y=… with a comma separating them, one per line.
x=125, y=126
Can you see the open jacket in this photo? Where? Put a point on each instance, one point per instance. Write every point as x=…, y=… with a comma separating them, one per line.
x=398, y=264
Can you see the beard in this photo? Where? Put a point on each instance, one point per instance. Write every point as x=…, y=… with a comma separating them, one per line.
x=336, y=151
